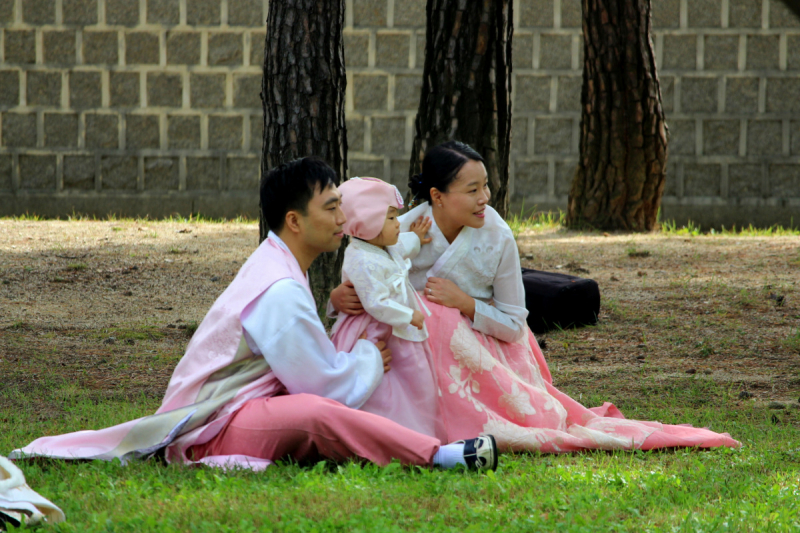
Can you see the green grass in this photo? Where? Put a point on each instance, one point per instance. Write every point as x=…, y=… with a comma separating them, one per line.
x=536, y=221
x=670, y=227
x=82, y=217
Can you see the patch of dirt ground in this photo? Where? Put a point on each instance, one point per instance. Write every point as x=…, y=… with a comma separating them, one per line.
x=106, y=308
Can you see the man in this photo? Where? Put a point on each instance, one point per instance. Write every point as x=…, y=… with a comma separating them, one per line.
x=260, y=380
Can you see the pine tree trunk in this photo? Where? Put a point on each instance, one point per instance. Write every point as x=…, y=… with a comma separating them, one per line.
x=466, y=90
x=622, y=168
x=303, y=94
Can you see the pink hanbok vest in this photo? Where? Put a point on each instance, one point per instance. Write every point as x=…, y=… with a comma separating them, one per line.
x=215, y=378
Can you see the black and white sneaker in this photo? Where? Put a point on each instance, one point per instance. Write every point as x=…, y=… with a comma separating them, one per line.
x=480, y=453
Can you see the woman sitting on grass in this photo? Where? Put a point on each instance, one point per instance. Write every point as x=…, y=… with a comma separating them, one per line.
x=492, y=376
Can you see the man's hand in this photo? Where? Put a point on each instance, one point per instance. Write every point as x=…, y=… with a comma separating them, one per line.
x=417, y=320
x=386, y=353
x=421, y=226
x=444, y=292
x=345, y=300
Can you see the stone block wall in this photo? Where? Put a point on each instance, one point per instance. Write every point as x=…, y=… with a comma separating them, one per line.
x=152, y=106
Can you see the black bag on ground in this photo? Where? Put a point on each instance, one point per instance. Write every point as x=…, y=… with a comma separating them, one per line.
x=559, y=300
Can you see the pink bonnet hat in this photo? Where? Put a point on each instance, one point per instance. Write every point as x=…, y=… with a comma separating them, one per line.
x=365, y=202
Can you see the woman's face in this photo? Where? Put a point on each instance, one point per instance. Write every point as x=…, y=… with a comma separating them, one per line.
x=466, y=198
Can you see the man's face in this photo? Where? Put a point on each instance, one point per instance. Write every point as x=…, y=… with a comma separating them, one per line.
x=322, y=224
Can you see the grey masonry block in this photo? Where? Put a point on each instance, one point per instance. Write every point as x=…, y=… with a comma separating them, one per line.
x=391, y=49
x=407, y=90
x=763, y=52
x=161, y=173
x=20, y=46
x=701, y=179
x=246, y=13
x=225, y=132
x=183, y=48
x=5, y=172
x=9, y=88
x=60, y=130
x=79, y=12
x=681, y=137
x=420, y=60
x=85, y=89
x=6, y=11
x=370, y=92
x=358, y=167
x=100, y=47
x=552, y=136
x=784, y=180
x=764, y=137
x=721, y=52
x=225, y=49
x=555, y=51
x=122, y=12
x=257, y=42
x=410, y=13
x=164, y=11
x=369, y=12
x=19, y=129
x=519, y=136
x=522, y=53
x=721, y=137
x=119, y=172
x=530, y=178
x=783, y=95
x=355, y=134
x=164, y=90
x=538, y=13
x=745, y=13
x=207, y=90
x=781, y=16
x=667, y=93
x=532, y=93
x=183, y=131
x=571, y=15
x=243, y=173
x=671, y=179
x=79, y=172
x=204, y=12
x=666, y=13
x=680, y=52
x=202, y=173
x=699, y=94
x=388, y=136
x=794, y=137
x=59, y=47
x=569, y=93
x=231, y=204
x=704, y=13
x=39, y=11
x=247, y=90
x=124, y=89
x=741, y=95
x=744, y=180
x=37, y=172
x=256, y=133
x=102, y=130
x=565, y=173
x=356, y=49
x=44, y=88
x=141, y=131
x=141, y=48
x=793, y=60
x=398, y=175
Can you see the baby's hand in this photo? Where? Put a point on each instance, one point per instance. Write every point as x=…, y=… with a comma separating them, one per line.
x=421, y=227
x=417, y=320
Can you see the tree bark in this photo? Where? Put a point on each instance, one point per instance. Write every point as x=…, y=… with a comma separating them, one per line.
x=303, y=96
x=466, y=90
x=623, y=146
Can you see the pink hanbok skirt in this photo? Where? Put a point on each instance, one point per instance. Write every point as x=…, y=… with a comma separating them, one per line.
x=407, y=393
x=505, y=389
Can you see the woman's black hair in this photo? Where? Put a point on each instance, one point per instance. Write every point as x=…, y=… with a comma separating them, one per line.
x=290, y=186
x=440, y=167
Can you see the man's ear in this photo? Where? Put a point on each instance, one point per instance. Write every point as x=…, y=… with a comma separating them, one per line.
x=292, y=222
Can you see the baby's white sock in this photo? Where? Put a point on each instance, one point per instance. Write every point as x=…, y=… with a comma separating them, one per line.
x=449, y=455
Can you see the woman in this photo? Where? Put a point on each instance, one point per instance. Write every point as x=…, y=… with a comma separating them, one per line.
x=491, y=374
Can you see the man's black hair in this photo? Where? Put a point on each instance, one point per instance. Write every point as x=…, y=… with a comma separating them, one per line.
x=290, y=186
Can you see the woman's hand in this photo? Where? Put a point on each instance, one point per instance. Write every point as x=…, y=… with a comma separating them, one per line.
x=421, y=226
x=444, y=292
x=345, y=300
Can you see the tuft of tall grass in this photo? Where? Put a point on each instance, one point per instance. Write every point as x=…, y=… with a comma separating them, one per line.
x=690, y=229
x=535, y=221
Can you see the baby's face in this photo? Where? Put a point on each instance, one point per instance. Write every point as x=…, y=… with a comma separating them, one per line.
x=391, y=229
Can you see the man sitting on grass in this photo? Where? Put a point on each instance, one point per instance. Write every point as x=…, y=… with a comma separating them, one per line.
x=260, y=380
